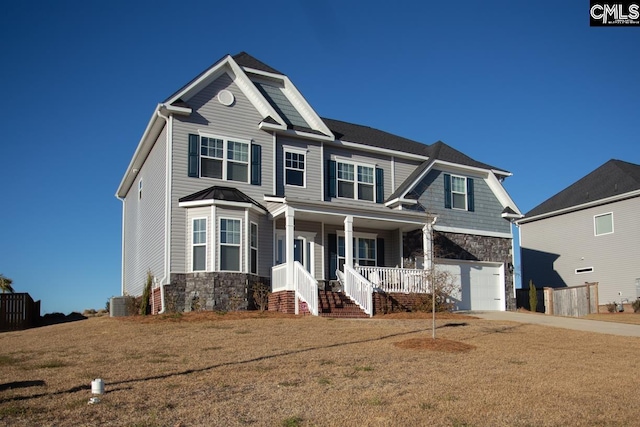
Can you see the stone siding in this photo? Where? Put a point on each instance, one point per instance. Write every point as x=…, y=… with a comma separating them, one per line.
x=212, y=291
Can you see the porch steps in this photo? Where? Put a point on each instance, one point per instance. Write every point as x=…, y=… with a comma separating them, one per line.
x=338, y=305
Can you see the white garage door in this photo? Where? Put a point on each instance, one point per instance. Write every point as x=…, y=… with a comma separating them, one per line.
x=480, y=285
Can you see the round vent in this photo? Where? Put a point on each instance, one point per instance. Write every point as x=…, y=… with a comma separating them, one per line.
x=225, y=97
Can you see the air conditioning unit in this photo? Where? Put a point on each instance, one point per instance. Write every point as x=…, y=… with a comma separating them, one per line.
x=119, y=306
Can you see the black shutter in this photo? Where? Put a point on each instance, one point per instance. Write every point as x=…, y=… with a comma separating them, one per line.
x=447, y=191
x=380, y=252
x=194, y=157
x=470, y=201
x=379, y=185
x=331, y=178
x=256, y=164
x=332, y=244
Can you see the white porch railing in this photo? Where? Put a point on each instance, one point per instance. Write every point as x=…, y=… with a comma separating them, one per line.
x=358, y=289
x=279, y=278
x=306, y=287
x=388, y=279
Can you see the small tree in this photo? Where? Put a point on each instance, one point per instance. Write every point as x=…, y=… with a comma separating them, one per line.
x=533, y=296
x=5, y=284
x=261, y=296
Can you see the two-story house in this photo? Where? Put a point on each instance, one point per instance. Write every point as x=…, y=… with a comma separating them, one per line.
x=587, y=232
x=237, y=180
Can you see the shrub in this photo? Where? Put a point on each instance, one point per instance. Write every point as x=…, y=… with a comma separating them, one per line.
x=612, y=307
x=261, y=296
x=636, y=305
x=533, y=296
x=145, y=308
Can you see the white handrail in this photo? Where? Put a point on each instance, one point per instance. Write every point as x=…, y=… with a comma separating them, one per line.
x=279, y=278
x=359, y=289
x=389, y=279
x=306, y=287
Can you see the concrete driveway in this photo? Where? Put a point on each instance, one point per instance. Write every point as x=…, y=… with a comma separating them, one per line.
x=611, y=328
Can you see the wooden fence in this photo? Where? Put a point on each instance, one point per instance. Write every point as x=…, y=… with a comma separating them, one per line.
x=575, y=301
x=18, y=311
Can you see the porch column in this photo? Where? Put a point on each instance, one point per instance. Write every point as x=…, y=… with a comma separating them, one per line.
x=289, y=236
x=348, y=240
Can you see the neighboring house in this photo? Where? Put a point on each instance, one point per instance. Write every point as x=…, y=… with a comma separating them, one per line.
x=237, y=180
x=588, y=232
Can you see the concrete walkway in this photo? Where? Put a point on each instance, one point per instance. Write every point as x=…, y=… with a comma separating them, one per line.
x=612, y=328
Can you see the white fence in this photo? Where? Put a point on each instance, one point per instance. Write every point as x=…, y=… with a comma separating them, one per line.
x=389, y=279
x=279, y=278
x=306, y=287
x=359, y=289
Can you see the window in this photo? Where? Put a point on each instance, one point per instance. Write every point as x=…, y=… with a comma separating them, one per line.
x=224, y=159
x=364, y=251
x=140, y=190
x=253, y=268
x=459, y=192
x=350, y=175
x=199, y=242
x=229, y=244
x=294, y=168
x=584, y=270
x=603, y=224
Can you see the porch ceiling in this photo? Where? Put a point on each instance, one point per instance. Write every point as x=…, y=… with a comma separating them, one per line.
x=374, y=217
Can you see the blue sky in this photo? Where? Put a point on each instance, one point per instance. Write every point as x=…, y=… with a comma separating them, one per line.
x=527, y=87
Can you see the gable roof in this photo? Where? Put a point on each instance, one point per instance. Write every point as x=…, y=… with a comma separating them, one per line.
x=614, y=178
x=245, y=60
x=220, y=193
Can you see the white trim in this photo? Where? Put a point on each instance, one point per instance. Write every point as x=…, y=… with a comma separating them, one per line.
x=257, y=248
x=246, y=237
x=369, y=148
x=393, y=174
x=584, y=270
x=604, y=201
x=299, y=151
x=215, y=202
x=322, y=254
x=226, y=140
x=466, y=192
x=595, y=230
x=193, y=245
x=322, y=183
x=214, y=235
x=122, y=247
x=472, y=231
x=274, y=183
x=220, y=244
x=355, y=180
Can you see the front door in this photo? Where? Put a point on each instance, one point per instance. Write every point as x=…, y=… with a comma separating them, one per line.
x=301, y=251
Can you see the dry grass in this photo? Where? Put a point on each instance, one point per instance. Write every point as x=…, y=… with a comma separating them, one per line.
x=277, y=370
x=625, y=317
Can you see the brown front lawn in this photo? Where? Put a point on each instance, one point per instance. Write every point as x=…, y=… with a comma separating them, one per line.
x=278, y=370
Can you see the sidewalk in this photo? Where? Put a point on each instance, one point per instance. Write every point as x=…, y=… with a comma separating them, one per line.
x=611, y=328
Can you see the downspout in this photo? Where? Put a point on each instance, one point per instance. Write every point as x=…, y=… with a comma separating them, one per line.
x=123, y=200
x=167, y=214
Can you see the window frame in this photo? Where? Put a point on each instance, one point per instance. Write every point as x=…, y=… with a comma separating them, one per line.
x=226, y=244
x=595, y=224
x=253, y=266
x=199, y=244
x=356, y=248
x=298, y=152
x=356, y=182
x=225, y=157
x=464, y=193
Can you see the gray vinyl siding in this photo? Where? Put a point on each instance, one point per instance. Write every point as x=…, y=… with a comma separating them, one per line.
x=240, y=120
x=380, y=161
x=282, y=104
x=402, y=168
x=488, y=209
x=265, y=243
x=313, y=188
x=553, y=248
x=144, y=227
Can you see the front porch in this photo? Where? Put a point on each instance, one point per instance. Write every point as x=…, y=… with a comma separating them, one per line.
x=341, y=247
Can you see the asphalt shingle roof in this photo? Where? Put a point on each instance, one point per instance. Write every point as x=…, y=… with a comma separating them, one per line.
x=613, y=178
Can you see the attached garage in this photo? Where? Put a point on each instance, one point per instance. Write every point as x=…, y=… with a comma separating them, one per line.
x=480, y=285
